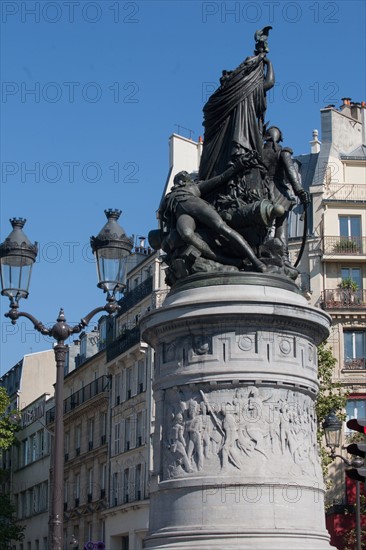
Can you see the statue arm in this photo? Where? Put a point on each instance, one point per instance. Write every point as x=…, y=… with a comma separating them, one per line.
x=242, y=164
x=294, y=179
x=291, y=172
x=209, y=185
x=269, y=80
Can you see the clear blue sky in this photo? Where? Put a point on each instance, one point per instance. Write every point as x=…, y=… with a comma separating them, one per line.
x=110, y=80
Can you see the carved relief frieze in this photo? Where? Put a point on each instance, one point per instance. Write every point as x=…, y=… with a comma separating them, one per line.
x=239, y=431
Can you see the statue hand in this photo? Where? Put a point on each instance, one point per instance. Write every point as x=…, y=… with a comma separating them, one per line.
x=304, y=197
x=246, y=160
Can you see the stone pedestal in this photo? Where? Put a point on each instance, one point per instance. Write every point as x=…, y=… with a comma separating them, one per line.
x=235, y=455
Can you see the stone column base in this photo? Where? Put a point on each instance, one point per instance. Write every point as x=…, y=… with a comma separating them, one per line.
x=236, y=464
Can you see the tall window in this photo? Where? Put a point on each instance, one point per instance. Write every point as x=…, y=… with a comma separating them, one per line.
x=128, y=383
x=355, y=408
x=25, y=452
x=103, y=428
x=126, y=480
x=117, y=388
x=115, y=489
x=67, y=445
x=78, y=439
x=77, y=489
x=103, y=478
x=90, y=484
x=91, y=433
x=141, y=376
x=355, y=349
x=350, y=226
x=140, y=428
x=127, y=433
x=353, y=273
x=116, y=438
x=138, y=494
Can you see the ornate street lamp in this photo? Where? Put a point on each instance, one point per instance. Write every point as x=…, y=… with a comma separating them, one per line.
x=17, y=255
x=332, y=427
x=111, y=248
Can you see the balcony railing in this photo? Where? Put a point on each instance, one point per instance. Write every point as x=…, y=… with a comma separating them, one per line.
x=354, y=364
x=132, y=297
x=345, y=192
x=341, y=298
x=344, y=246
x=76, y=399
x=124, y=342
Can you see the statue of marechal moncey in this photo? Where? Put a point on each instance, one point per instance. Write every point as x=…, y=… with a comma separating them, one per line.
x=233, y=215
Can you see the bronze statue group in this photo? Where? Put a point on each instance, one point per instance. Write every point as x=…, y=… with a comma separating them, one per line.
x=233, y=215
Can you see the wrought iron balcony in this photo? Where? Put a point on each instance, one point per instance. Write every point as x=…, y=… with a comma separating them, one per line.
x=76, y=399
x=124, y=342
x=340, y=298
x=354, y=364
x=344, y=246
x=345, y=192
x=132, y=297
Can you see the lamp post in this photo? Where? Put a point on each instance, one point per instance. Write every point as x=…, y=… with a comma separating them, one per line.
x=111, y=248
x=332, y=427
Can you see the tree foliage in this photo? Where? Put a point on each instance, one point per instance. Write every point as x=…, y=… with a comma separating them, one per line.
x=331, y=398
x=10, y=530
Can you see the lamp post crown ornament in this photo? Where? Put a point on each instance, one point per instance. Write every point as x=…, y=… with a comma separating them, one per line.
x=112, y=234
x=17, y=240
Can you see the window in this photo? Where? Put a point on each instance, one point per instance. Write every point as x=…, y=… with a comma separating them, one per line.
x=140, y=428
x=103, y=478
x=90, y=484
x=128, y=383
x=67, y=445
x=102, y=333
x=353, y=273
x=138, y=494
x=117, y=434
x=90, y=433
x=83, y=342
x=33, y=448
x=117, y=388
x=103, y=428
x=141, y=378
x=115, y=489
x=77, y=440
x=350, y=226
x=25, y=452
x=126, y=480
x=66, y=494
x=355, y=408
x=77, y=489
x=89, y=531
x=354, y=349
x=127, y=434
x=44, y=496
x=101, y=535
x=40, y=443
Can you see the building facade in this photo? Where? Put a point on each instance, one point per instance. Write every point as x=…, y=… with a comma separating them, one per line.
x=334, y=268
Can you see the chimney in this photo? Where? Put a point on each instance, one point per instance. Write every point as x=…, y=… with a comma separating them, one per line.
x=315, y=143
x=346, y=106
x=363, y=120
x=356, y=111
